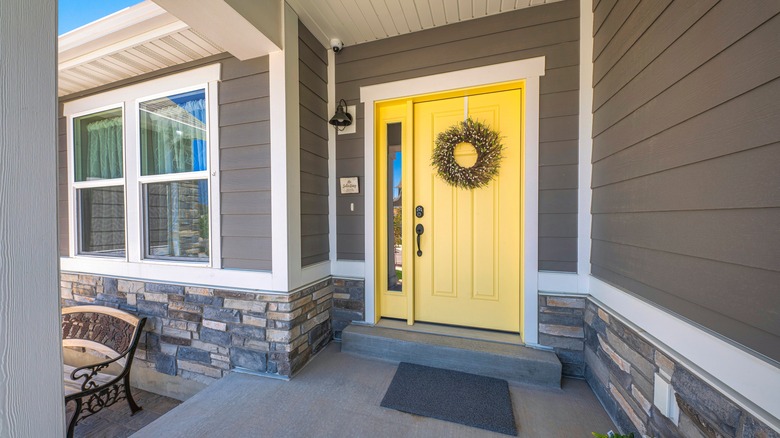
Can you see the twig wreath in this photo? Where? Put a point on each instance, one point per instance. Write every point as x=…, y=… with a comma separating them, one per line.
x=487, y=143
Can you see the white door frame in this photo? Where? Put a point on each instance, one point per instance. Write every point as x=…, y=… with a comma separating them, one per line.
x=529, y=70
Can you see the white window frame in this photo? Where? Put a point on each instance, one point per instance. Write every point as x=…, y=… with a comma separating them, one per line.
x=74, y=186
x=142, y=180
x=134, y=265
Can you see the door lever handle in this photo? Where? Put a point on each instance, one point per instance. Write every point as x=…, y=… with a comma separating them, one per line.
x=419, y=230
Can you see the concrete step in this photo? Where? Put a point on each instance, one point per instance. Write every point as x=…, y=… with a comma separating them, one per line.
x=516, y=363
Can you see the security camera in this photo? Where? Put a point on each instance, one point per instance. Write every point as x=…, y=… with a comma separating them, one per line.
x=336, y=45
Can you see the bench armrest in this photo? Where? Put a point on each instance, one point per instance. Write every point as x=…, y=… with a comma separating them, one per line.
x=87, y=372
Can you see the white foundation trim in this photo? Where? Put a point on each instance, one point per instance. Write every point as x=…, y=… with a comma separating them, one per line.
x=527, y=69
x=564, y=282
x=348, y=269
x=751, y=382
x=585, y=144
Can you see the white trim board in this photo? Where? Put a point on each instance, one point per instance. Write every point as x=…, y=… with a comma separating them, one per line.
x=564, y=282
x=348, y=269
x=281, y=70
x=171, y=273
x=232, y=27
x=751, y=382
x=585, y=168
x=175, y=81
x=332, y=216
x=527, y=69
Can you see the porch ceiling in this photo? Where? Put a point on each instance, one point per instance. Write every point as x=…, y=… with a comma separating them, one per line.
x=137, y=40
x=145, y=37
x=361, y=21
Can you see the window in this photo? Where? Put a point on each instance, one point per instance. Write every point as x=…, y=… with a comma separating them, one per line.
x=174, y=176
x=140, y=173
x=99, y=182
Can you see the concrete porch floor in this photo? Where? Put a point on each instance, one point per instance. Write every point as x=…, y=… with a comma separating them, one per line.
x=338, y=395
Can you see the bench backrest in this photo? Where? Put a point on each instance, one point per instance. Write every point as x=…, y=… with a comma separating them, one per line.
x=104, y=329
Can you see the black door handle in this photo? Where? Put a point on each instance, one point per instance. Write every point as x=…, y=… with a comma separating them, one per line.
x=419, y=230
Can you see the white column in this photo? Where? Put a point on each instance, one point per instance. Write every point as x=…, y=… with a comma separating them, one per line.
x=31, y=394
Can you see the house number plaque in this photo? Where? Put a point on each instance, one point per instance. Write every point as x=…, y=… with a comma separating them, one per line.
x=349, y=185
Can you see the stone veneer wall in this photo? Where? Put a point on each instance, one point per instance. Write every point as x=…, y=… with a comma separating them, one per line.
x=561, y=326
x=620, y=368
x=349, y=303
x=201, y=333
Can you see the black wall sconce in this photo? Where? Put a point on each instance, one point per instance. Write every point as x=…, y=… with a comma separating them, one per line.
x=342, y=118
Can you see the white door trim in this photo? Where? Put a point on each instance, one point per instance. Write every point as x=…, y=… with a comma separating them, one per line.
x=527, y=69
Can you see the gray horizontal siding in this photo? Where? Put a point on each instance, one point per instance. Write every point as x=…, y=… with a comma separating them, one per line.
x=313, y=87
x=551, y=31
x=245, y=164
x=686, y=192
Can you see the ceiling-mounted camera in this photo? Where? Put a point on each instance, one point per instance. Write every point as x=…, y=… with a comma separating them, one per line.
x=336, y=45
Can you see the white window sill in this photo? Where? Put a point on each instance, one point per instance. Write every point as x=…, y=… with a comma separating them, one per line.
x=196, y=274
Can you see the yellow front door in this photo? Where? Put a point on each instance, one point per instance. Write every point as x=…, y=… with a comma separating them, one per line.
x=469, y=273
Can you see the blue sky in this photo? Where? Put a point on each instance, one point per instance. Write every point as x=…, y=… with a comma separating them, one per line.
x=76, y=13
x=396, y=173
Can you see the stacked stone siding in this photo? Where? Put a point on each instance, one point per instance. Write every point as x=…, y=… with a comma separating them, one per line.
x=561, y=327
x=349, y=303
x=621, y=366
x=201, y=333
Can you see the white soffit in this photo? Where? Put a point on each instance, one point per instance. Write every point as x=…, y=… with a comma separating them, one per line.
x=227, y=23
x=361, y=21
x=136, y=40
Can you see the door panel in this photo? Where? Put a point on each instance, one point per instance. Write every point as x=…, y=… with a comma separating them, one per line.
x=470, y=270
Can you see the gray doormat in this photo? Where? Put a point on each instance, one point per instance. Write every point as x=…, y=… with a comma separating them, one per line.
x=476, y=401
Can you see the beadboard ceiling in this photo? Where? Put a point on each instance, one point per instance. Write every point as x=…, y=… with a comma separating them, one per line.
x=361, y=21
x=145, y=37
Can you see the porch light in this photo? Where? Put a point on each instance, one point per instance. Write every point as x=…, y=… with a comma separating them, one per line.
x=342, y=118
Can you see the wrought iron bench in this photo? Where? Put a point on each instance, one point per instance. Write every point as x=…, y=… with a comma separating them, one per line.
x=113, y=333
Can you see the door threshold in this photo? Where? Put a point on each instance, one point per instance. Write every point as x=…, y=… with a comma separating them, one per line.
x=452, y=331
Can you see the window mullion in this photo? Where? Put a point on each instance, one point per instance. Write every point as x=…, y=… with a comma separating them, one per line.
x=133, y=187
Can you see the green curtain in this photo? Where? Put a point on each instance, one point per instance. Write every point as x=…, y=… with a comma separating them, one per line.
x=104, y=149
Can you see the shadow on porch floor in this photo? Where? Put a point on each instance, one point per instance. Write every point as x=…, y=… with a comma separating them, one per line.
x=116, y=422
x=338, y=395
